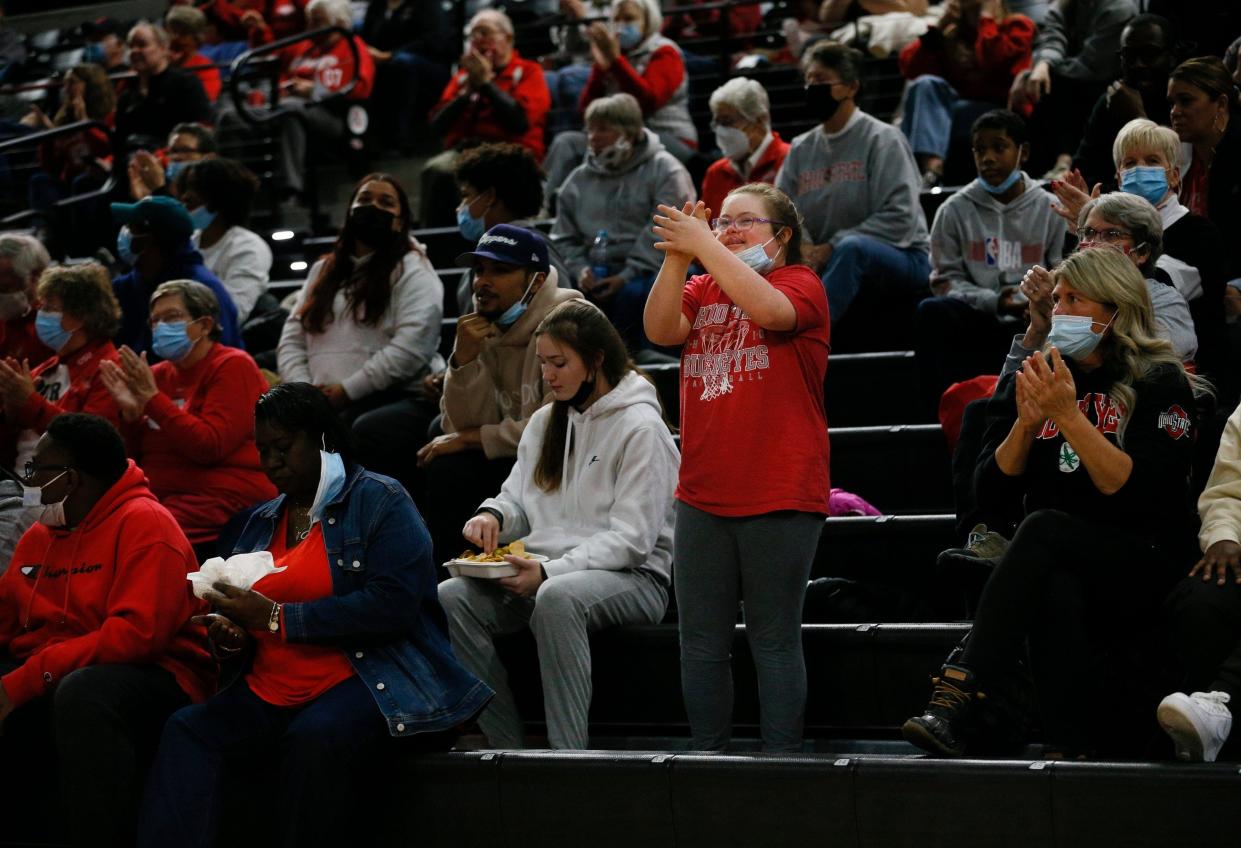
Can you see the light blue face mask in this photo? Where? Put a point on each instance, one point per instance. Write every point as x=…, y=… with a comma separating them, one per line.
x=125, y=246
x=93, y=53
x=331, y=482
x=1008, y=183
x=202, y=217
x=1149, y=182
x=518, y=309
x=171, y=340
x=47, y=328
x=471, y=228
x=756, y=256
x=174, y=168
x=629, y=36
x=1074, y=336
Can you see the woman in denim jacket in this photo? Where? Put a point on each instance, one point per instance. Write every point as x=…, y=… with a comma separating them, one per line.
x=345, y=646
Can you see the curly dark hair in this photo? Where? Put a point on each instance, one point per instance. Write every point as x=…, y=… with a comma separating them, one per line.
x=510, y=169
x=368, y=293
x=226, y=186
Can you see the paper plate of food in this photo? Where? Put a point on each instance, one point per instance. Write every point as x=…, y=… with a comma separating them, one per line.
x=490, y=566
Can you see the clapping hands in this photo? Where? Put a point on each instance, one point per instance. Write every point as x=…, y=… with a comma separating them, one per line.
x=131, y=383
x=683, y=232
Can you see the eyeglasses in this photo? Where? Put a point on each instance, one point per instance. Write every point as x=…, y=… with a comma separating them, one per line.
x=728, y=123
x=169, y=317
x=742, y=223
x=1086, y=234
x=31, y=469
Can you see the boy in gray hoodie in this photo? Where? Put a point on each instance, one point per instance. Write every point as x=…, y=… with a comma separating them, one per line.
x=983, y=240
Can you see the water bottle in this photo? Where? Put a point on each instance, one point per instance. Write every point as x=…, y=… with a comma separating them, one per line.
x=599, y=255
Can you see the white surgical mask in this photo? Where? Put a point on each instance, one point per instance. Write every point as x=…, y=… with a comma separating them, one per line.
x=756, y=256
x=732, y=142
x=53, y=514
x=615, y=154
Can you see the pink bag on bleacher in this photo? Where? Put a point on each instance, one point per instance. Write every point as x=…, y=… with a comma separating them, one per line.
x=840, y=502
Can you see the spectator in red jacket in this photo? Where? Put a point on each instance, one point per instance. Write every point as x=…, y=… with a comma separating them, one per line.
x=631, y=56
x=495, y=95
x=23, y=259
x=255, y=21
x=190, y=419
x=753, y=153
x=96, y=647
x=186, y=26
x=959, y=69
x=78, y=318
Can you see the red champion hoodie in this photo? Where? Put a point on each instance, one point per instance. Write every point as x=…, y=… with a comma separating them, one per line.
x=112, y=590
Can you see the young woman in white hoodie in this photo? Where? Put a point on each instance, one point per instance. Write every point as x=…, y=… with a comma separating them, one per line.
x=592, y=490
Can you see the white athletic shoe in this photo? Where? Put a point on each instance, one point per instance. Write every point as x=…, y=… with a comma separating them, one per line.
x=1198, y=724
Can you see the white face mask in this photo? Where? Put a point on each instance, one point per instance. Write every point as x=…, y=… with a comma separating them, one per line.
x=615, y=154
x=53, y=514
x=13, y=305
x=732, y=142
x=756, y=256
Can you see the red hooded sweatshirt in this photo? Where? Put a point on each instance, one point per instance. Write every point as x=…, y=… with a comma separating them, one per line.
x=111, y=590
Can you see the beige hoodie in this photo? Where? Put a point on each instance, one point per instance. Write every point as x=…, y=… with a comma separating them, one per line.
x=1219, y=505
x=500, y=389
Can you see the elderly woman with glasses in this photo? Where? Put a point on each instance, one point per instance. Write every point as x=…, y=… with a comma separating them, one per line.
x=754, y=333
x=188, y=420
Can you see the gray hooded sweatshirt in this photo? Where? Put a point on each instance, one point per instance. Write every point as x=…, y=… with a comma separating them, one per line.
x=862, y=180
x=980, y=245
x=622, y=202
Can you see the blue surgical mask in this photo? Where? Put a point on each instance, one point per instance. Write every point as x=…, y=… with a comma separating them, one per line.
x=331, y=482
x=1074, y=336
x=171, y=340
x=174, y=168
x=125, y=246
x=629, y=36
x=756, y=256
x=47, y=327
x=471, y=228
x=1149, y=182
x=202, y=217
x=93, y=53
x=518, y=309
x=1008, y=183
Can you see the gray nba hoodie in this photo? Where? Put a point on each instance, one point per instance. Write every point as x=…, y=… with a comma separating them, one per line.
x=979, y=245
x=861, y=180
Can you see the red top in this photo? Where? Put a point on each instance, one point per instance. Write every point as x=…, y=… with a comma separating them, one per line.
x=745, y=391
x=86, y=392
x=281, y=18
x=1195, y=187
x=113, y=590
x=520, y=79
x=196, y=440
x=1001, y=50
x=19, y=340
x=664, y=74
x=288, y=674
x=722, y=177
x=207, y=73
x=332, y=69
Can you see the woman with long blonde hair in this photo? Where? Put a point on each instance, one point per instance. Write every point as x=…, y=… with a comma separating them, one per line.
x=1092, y=441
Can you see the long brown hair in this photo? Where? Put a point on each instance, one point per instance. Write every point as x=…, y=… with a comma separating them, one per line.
x=369, y=290
x=581, y=326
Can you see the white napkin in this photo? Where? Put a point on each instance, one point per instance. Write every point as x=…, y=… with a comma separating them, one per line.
x=239, y=570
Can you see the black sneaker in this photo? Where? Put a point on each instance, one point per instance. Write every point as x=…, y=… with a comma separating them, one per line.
x=942, y=727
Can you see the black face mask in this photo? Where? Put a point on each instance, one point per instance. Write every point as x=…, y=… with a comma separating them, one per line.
x=582, y=393
x=820, y=103
x=371, y=225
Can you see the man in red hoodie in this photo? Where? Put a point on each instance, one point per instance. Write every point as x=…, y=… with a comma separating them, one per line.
x=96, y=646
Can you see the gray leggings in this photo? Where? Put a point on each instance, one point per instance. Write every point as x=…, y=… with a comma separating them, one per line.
x=765, y=559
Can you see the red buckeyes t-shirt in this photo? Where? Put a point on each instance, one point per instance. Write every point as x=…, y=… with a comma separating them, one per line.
x=753, y=429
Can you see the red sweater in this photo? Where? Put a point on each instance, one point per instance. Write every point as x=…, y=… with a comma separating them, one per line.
x=520, y=79
x=722, y=177
x=196, y=440
x=86, y=393
x=112, y=590
x=1001, y=50
x=207, y=73
x=332, y=69
x=281, y=18
x=664, y=75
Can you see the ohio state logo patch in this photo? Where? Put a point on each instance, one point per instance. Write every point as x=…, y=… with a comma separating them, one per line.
x=1174, y=422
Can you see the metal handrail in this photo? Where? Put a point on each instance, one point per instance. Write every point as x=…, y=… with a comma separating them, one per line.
x=36, y=138
x=255, y=119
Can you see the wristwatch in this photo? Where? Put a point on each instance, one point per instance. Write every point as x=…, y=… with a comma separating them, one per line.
x=273, y=620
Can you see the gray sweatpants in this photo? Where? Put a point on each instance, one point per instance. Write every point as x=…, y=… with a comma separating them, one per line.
x=766, y=560
x=563, y=612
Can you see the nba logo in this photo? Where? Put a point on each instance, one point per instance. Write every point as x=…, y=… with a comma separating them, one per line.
x=991, y=249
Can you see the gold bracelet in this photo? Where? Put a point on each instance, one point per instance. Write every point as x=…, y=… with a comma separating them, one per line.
x=273, y=620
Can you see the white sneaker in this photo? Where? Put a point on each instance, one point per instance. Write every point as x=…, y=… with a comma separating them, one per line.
x=1198, y=723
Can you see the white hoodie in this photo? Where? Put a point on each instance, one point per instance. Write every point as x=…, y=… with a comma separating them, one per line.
x=614, y=507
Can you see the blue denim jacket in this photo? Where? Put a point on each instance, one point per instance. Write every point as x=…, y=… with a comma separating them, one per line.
x=384, y=611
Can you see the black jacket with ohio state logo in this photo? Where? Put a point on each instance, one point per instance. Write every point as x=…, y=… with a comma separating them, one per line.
x=1159, y=435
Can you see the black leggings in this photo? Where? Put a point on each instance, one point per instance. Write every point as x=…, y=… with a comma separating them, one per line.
x=1206, y=630
x=1065, y=584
